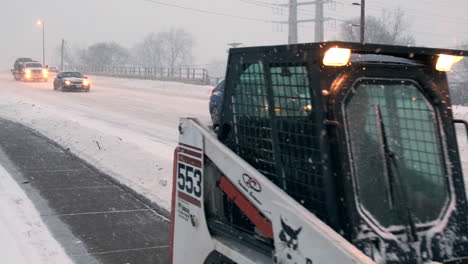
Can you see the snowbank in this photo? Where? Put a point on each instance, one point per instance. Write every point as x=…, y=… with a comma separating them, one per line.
x=125, y=127
x=24, y=238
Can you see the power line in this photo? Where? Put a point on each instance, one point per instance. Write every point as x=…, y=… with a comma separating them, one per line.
x=208, y=11
x=271, y=5
x=417, y=12
x=422, y=16
x=373, y=5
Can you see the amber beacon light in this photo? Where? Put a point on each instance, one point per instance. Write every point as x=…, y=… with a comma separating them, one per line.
x=445, y=62
x=336, y=57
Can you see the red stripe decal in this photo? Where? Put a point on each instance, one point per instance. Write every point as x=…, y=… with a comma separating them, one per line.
x=190, y=152
x=192, y=147
x=190, y=161
x=189, y=198
x=244, y=204
x=174, y=182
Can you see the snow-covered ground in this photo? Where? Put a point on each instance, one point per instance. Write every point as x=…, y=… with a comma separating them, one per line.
x=125, y=127
x=24, y=238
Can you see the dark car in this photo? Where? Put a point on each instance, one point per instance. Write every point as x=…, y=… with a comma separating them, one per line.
x=71, y=81
x=53, y=69
x=20, y=61
x=216, y=102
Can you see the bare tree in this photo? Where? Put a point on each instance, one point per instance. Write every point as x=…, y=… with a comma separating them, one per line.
x=105, y=54
x=172, y=48
x=150, y=51
x=392, y=27
x=178, y=46
x=70, y=54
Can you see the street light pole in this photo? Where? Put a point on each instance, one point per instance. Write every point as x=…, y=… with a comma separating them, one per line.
x=363, y=19
x=41, y=23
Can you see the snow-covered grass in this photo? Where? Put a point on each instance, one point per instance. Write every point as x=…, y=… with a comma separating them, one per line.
x=125, y=127
x=24, y=238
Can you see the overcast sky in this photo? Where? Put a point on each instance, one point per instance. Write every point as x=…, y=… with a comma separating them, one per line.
x=83, y=22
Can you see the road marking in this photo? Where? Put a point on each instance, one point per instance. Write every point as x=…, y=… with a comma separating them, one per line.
x=99, y=212
x=119, y=250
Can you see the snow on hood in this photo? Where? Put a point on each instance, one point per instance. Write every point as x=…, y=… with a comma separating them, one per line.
x=73, y=79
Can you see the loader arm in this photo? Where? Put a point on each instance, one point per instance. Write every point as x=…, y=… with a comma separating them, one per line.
x=314, y=241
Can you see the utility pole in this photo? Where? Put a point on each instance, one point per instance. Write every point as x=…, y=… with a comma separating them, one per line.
x=319, y=21
x=61, y=58
x=362, y=25
x=363, y=19
x=292, y=21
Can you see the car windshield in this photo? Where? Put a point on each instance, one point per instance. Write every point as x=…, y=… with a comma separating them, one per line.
x=72, y=74
x=33, y=65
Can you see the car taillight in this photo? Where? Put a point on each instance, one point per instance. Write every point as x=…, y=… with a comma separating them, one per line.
x=213, y=91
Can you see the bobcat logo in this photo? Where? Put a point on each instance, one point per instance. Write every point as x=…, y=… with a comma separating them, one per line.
x=289, y=243
x=288, y=236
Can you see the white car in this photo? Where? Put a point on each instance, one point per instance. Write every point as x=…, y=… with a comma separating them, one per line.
x=33, y=71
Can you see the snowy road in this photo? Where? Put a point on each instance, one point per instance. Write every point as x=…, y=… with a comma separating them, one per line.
x=125, y=127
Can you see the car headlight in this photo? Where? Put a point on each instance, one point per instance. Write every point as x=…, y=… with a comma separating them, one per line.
x=67, y=83
x=45, y=73
x=85, y=82
x=27, y=71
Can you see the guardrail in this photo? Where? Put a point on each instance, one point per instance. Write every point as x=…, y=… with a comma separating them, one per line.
x=188, y=75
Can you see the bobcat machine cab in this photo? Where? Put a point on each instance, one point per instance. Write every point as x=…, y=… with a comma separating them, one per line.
x=328, y=152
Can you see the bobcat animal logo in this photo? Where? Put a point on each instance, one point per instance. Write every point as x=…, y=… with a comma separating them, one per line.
x=289, y=242
x=289, y=236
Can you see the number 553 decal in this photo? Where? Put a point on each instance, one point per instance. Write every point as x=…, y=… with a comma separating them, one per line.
x=190, y=174
x=189, y=179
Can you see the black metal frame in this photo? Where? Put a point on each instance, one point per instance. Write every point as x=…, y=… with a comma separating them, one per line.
x=328, y=89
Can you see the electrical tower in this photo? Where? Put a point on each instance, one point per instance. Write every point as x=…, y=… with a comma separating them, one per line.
x=293, y=21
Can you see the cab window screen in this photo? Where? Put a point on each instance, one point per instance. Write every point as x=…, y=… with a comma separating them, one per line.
x=290, y=90
x=250, y=94
x=250, y=113
x=414, y=177
x=278, y=131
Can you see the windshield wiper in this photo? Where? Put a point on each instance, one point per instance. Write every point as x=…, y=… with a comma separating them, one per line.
x=385, y=152
x=394, y=183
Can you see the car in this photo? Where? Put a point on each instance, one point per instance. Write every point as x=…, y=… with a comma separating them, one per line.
x=33, y=71
x=216, y=103
x=53, y=69
x=71, y=81
x=20, y=61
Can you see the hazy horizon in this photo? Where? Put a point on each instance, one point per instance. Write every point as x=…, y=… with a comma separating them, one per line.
x=81, y=23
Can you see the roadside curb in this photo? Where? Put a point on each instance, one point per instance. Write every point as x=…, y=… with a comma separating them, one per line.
x=165, y=214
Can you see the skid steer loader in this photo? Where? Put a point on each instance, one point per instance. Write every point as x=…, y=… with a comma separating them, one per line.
x=328, y=152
